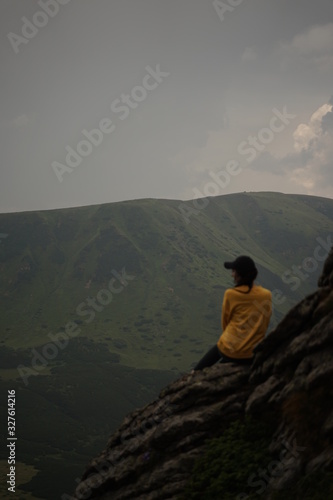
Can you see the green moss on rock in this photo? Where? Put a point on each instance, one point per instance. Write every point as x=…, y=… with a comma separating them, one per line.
x=230, y=461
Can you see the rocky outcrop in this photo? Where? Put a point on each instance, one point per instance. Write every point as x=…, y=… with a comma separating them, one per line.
x=152, y=454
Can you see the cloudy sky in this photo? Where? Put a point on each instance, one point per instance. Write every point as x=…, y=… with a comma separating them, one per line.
x=111, y=100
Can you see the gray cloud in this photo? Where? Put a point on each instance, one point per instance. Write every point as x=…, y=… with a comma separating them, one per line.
x=327, y=121
x=225, y=79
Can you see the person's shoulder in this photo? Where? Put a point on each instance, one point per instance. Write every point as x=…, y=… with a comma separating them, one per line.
x=229, y=292
x=262, y=291
x=236, y=291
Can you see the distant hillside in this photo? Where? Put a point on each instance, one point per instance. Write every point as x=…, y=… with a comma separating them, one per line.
x=108, y=303
x=52, y=262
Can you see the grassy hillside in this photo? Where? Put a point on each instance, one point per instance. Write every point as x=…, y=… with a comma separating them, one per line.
x=106, y=304
x=52, y=262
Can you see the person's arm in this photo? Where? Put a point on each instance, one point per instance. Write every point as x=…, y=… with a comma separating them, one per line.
x=225, y=311
x=270, y=310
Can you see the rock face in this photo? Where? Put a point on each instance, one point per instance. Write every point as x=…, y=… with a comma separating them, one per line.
x=152, y=454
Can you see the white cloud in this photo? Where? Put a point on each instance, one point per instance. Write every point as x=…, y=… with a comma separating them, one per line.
x=307, y=133
x=316, y=169
x=310, y=167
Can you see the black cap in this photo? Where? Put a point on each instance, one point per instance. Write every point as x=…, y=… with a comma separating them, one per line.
x=243, y=265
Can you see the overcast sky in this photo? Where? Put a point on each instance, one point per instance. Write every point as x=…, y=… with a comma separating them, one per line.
x=186, y=98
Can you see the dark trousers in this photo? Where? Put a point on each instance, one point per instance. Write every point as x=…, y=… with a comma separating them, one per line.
x=214, y=355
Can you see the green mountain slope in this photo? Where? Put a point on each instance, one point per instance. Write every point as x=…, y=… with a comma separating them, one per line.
x=102, y=306
x=54, y=262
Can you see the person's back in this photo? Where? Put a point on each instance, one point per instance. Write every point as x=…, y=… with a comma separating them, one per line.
x=245, y=319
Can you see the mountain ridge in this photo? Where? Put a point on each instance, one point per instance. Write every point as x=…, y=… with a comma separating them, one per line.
x=174, y=200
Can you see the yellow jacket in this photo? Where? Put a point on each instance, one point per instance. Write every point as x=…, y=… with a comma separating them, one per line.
x=245, y=319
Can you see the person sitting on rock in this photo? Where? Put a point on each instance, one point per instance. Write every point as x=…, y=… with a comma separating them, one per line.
x=246, y=312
